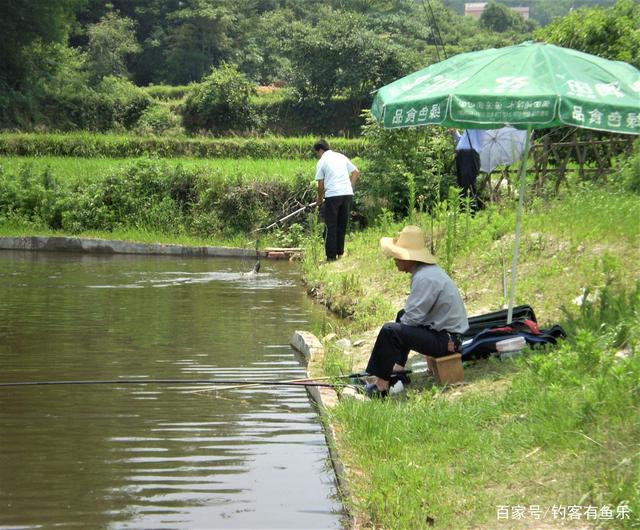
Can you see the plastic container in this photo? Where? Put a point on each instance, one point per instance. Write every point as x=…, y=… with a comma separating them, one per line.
x=512, y=347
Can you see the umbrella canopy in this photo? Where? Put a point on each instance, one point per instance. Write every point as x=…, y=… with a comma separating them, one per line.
x=502, y=146
x=531, y=85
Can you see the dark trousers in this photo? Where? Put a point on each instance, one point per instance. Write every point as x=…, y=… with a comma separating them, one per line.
x=336, y=217
x=467, y=169
x=394, y=342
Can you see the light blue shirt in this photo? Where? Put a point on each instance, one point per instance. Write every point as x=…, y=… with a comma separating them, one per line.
x=470, y=139
x=434, y=301
x=335, y=169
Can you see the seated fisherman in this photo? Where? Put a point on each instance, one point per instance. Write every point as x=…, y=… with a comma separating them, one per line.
x=434, y=316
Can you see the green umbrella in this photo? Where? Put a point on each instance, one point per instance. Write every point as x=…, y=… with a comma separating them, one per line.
x=529, y=86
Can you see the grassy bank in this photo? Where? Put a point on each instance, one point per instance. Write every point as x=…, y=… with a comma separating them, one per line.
x=557, y=428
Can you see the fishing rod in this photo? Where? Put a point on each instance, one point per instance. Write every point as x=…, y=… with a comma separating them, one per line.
x=436, y=33
x=300, y=382
x=299, y=210
x=158, y=382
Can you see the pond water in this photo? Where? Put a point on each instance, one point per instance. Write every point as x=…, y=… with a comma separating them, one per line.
x=156, y=455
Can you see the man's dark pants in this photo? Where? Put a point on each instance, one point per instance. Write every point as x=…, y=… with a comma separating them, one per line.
x=467, y=169
x=394, y=342
x=336, y=217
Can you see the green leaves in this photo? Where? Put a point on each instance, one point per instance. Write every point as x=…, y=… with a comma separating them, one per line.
x=221, y=102
x=612, y=33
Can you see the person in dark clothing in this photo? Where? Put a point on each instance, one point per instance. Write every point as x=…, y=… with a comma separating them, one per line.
x=434, y=317
x=468, y=145
x=336, y=176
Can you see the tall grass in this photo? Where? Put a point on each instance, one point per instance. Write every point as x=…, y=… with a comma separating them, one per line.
x=564, y=431
x=557, y=427
x=87, y=144
x=243, y=169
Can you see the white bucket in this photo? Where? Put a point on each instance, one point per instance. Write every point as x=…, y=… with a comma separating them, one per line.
x=512, y=344
x=512, y=347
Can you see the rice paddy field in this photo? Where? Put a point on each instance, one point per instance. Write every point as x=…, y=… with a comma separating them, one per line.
x=242, y=169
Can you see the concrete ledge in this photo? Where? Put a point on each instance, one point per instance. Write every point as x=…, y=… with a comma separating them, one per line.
x=307, y=344
x=105, y=246
x=325, y=398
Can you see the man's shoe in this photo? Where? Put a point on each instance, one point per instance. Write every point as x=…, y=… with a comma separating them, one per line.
x=403, y=378
x=374, y=392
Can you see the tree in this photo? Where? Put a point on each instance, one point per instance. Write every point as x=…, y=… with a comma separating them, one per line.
x=221, y=102
x=349, y=58
x=23, y=22
x=111, y=41
x=498, y=17
x=199, y=38
x=612, y=33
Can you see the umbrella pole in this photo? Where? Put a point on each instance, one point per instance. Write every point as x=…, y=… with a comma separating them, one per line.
x=516, y=243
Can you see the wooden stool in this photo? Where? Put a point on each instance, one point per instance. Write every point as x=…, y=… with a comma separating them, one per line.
x=446, y=370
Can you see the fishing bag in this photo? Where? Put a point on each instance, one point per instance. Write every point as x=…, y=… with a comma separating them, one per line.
x=486, y=330
x=498, y=319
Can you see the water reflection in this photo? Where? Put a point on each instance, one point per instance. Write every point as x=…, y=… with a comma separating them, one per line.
x=148, y=455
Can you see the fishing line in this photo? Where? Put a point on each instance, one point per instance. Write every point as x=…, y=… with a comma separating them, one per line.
x=437, y=34
x=182, y=382
x=161, y=382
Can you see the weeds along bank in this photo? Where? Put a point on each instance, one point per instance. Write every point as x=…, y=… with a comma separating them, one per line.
x=146, y=194
x=214, y=189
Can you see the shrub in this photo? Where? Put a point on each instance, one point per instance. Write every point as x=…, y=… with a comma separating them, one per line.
x=146, y=194
x=630, y=171
x=158, y=119
x=126, y=101
x=401, y=164
x=114, y=104
x=221, y=102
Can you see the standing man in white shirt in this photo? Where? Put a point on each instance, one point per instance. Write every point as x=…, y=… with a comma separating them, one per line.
x=336, y=176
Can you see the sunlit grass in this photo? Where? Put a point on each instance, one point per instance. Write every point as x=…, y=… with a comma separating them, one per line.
x=243, y=169
x=550, y=428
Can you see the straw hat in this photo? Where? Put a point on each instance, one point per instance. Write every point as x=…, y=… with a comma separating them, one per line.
x=409, y=245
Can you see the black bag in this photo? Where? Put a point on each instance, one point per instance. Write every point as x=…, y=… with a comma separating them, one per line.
x=498, y=319
x=479, y=341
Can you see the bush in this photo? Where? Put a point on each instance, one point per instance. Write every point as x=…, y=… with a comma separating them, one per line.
x=146, y=194
x=406, y=169
x=221, y=102
x=158, y=119
x=126, y=101
x=30, y=197
x=630, y=171
x=115, y=104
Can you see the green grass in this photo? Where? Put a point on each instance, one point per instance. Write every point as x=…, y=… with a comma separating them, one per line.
x=551, y=428
x=563, y=431
x=244, y=169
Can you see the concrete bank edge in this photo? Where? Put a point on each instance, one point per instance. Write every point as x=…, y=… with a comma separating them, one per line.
x=105, y=246
x=325, y=398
